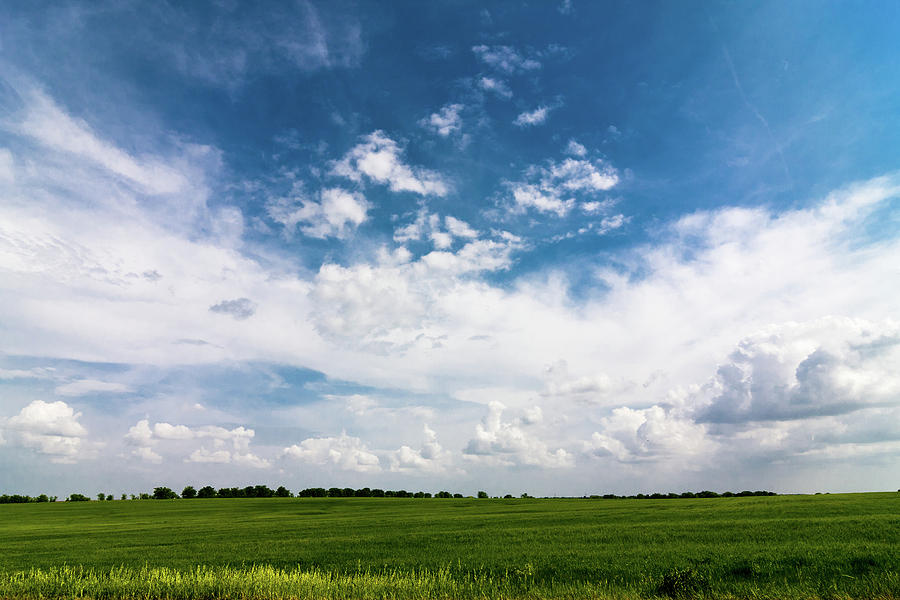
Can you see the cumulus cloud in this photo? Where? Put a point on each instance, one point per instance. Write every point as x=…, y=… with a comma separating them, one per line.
x=631, y=435
x=530, y=118
x=495, y=86
x=392, y=304
x=146, y=454
x=831, y=366
x=202, y=455
x=554, y=187
x=344, y=452
x=445, y=121
x=576, y=149
x=173, y=437
x=430, y=458
x=52, y=429
x=505, y=59
x=338, y=213
x=429, y=225
x=378, y=158
x=511, y=443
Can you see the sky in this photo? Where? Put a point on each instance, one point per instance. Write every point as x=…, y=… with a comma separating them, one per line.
x=560, y=248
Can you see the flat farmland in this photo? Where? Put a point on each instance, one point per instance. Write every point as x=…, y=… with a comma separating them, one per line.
x=822, y=546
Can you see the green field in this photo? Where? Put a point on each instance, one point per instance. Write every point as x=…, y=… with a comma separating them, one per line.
x=824, y=546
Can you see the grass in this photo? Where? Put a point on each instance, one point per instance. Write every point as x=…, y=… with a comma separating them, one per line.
x=829, y=546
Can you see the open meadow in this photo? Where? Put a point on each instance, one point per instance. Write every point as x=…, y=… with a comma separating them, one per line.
x=823, y=546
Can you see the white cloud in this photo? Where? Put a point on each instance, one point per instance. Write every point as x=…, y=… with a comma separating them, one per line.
x=378, y=158
x=532, y=117
x=553, y=188
x=140, y=434
x=495, y=86
x=429, y=224
x=344, y=452
x=831, y=366
x=337, y=213
x=50, y=428
x=167, y=431
x=146, y=454
x=459, y=228
x=173, y=438
x=510, y=443
x=444, y=122
x=430, y=458
x=83, y=387
x=33, y=373
x=576, y=149
x=505, y=59
x=630, y=435
x=202, y=455
x=392, y=305
x=541, y=198
x=49, y=125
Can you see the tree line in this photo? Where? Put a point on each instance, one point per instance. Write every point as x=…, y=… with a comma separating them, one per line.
x=264, y=491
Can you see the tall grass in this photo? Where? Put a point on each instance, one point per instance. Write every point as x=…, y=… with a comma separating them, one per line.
x=270, y=583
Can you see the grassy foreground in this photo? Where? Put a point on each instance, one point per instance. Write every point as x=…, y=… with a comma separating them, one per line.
x=830, y=546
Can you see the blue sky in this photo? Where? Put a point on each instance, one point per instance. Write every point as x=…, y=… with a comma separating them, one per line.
x=559, y=248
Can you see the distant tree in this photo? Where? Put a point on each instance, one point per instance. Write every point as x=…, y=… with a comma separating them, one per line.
x=524, y=495
x=124, y=497
x=377, y=493
x=207, y=491
x=263, y=491
x=283, y=492
x=163, y=493
x=101, y=496
x=53, y=498
x=508, y=496
x=110, y=497
x=144, y=496
x=443, y=494
x=457, y=495
x=77, y=498
x=42, y=498
x=482, y=494
x=189, y=492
